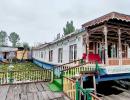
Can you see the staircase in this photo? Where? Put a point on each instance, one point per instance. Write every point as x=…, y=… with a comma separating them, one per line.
x=69, y=70
x=64, y=78
x=56, y=85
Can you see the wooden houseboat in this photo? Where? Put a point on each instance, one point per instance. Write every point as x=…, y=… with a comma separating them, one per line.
x=107, y=36
x=105, y=40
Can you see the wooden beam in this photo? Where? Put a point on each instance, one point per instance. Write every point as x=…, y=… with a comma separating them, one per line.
x=121, y=28
x=96, y=29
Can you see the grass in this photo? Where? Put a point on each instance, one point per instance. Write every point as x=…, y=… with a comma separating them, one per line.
x=25, y=71
x=19, y=66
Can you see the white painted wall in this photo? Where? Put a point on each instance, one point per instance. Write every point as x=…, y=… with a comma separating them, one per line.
x=128, y=52
x=77, y=39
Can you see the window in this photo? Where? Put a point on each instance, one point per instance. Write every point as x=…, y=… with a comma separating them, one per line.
x=45, y=55
x=41, y=54
x=60, y=55
x=72, y=52
x=50, y=55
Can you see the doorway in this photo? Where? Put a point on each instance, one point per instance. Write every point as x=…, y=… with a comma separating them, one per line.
x=109, y=50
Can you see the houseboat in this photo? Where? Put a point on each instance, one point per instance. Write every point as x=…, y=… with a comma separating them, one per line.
x=14, y=52
x=63, y=50
x=6, y=52
x=106, y=39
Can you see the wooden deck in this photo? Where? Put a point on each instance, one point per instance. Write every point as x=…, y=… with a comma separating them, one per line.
x=30, y=91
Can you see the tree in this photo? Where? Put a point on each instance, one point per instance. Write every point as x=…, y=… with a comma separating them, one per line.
x=19, y=44
x=26, y=47
x=69, y=28
x=3, y=38
x=14, y=38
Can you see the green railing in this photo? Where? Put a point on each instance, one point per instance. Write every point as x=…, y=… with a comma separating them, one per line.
x=25, y=76
x=74, y=91
x=85, y=94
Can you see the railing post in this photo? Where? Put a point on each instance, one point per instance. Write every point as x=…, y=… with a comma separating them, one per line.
x=11, y=77
x=77, y=88
x=52, y=74
x=62, y=80
x=88, y=91
x=0, y=81
x=89, y=96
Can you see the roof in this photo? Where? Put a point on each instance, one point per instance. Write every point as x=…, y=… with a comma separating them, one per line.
x=40, y=46
x=7, y=49
x=112, y=15
x=59, y=40
x=69, y=35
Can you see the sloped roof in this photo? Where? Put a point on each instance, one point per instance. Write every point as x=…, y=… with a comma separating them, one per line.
x=60, y=39
x=112, y=15
x=7, y=49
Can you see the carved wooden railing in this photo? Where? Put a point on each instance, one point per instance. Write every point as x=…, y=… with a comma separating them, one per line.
x=126, y=61
x=25, y=76
x=113, y=61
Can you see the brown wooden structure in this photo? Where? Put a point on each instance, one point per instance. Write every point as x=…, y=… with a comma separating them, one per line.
x=109, y=36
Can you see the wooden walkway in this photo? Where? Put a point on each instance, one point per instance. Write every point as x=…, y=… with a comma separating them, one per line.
x=30, y=91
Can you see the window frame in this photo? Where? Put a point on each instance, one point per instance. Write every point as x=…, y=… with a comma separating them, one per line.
x=60, y=55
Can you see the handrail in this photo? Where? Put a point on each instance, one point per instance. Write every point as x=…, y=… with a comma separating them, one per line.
x=76, y=66
x=58, y=69
x=67, y=63
x=94, y=96
x=25, y=70
x=70, y=79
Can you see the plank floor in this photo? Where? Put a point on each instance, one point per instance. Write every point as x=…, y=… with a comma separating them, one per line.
x=30, y=91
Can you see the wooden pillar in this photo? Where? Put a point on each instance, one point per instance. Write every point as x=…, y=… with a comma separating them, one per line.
x=120, y=47
x=102, y=53
x=94, y=85
x=87, y=42
x=106, y=46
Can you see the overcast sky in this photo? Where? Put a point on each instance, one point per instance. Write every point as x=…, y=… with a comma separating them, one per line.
x=40, y=20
